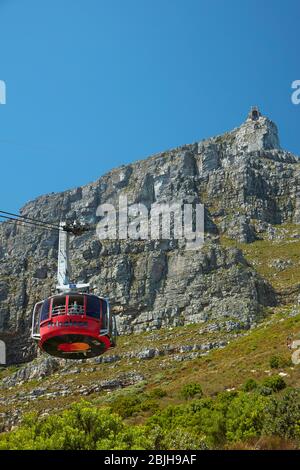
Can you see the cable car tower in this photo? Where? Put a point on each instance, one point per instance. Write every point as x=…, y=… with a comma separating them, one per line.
x=73, y=324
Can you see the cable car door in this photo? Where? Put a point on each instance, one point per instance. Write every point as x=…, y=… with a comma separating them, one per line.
x=36, y=316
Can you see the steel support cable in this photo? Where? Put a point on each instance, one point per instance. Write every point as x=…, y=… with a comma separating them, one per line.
x=41, y=226
x=28, y=227
x=25, y=217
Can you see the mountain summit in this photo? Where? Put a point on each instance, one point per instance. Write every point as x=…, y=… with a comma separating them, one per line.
x=257, y=133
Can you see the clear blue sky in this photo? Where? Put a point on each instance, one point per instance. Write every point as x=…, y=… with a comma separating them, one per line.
x=93, y=84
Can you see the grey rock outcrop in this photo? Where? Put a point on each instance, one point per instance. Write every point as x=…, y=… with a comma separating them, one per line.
x=247, y=183
x=34, y=371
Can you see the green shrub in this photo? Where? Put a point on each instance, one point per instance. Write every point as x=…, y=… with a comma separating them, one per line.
x=275, y=383
x=149, y=404
x=274, y=362
x=82, y=427
x=135, y=438
x=200, y=419
x=224, y=399
x=157, y=393
x=245, y=416
x=277, y=362
x=283, y=416
x=210, y=423
x=249, y=385
x=126, y=405
x=167, y=417
x=265, y=391
x=191, y=390
x=182, y=439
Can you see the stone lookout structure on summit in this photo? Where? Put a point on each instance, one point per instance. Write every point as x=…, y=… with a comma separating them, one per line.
x=257, y=133
x=254, y=114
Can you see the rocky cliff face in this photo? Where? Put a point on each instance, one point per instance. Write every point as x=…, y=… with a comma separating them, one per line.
x=247, y=183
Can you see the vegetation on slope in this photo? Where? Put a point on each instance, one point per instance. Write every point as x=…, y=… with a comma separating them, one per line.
x=258, y=419
x=277, y=260
x=245, y=395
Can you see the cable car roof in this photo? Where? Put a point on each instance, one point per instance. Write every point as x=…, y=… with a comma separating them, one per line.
x=64, y=294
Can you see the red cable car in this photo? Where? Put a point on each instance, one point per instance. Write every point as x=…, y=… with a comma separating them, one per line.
x=73, y=324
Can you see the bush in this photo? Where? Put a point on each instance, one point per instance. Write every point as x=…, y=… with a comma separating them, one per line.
x=157, y=393
x=182, y=439
x=249, y=385
x=275, y=383
x=274, y=362
x=201, y=419
x=265, y=391
x=277, y=362
x=126, y=405
x=283, y=416
x=191, y=390
x=245, y=416
x=82, y=427
x=149, y=404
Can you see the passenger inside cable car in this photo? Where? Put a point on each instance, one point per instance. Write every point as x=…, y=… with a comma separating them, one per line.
x=59, y=305
x=76, y=305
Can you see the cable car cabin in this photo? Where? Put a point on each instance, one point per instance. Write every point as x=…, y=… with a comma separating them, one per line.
x=74, y=326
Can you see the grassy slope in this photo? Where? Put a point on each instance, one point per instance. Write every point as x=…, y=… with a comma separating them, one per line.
x=246, y=356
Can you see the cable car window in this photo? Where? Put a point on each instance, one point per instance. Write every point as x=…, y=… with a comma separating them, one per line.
x=93, y=307
x=76, y=305
x=59, y=305
x=45, y=310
